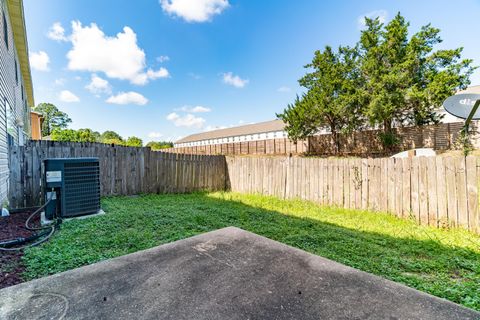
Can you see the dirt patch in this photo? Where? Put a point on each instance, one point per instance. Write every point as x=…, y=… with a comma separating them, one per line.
x=11, y=265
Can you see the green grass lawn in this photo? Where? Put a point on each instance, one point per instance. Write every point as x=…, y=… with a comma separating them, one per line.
x=445, y=263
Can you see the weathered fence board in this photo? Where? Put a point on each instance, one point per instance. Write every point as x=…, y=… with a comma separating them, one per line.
x=123, y=170
x=472, y=192
x=432, y=191
x=367, y=143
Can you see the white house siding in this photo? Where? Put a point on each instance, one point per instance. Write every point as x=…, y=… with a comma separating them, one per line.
x=11, y=103
x=248, y=137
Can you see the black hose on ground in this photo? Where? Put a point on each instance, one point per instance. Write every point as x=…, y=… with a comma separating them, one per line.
x=35, y=213
x=6, y=245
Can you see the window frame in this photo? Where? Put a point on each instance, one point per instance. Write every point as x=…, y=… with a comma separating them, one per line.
x=5, y=29
x=16, y=71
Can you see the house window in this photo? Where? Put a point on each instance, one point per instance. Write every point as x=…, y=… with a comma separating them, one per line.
x=12, y=132
x=5, y=30
x=25, y=110
x=16, y=72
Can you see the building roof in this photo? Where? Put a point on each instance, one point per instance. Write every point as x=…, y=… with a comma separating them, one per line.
x=17, y=20
x=472, y=89
x=261, y=127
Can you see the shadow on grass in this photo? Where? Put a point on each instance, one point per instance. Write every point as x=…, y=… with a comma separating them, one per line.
x=136, y=223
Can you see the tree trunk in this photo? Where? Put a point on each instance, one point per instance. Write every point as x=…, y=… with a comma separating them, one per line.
x=387, y=131
x=387, y=126
x=335, y=144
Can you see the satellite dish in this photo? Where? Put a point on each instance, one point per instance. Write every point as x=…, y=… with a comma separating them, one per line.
x=461, y=105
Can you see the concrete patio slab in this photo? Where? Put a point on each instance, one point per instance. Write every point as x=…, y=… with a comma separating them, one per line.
x=225, y=274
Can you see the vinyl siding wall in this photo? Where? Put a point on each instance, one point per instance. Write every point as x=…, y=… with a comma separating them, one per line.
x=14, y=111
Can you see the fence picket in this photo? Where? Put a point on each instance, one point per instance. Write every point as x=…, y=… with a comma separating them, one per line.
x=472, y=193
x=432, y=191
x=436, y=191
x=414, y=185
x=451, y=190
x=422, y=191
x=461, y=186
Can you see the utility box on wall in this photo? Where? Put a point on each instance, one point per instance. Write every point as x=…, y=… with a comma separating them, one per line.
x=72, y=185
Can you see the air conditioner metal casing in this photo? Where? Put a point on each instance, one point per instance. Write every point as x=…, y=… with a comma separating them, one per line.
x=73, y=185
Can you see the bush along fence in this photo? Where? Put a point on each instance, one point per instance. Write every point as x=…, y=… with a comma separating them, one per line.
x=362, y=143
x=434, y=191
x=123, y=170
x=282, y=146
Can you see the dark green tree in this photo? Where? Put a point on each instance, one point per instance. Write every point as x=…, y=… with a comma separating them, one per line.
x=80, y=135
x=113, y=141
x=405, y=79
x=134, y=142
x=109, y=136
x=87, y=135
x=158, y=145
x=64, y=135
x=53, y=118
x=298, y=121
x=388, y=79
x=331, y=99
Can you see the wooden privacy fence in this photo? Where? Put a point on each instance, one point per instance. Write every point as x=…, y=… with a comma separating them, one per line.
x=123, y=170
x=435, y=191
x=281, y=146
x=366, y=143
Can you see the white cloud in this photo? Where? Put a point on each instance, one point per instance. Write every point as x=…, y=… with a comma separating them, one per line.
x=160, y=73
x=194, y=10
x=128, y=98
x=155, y=135
x=163, y=59
x=211, y=128
x=195, y=76
x=143, y=78
x=119, y=57
x=60, y=81
x=39, y=60
x=233, y=80
x=189, y=120
x=218, y=127
x=173, y=138
x=68, y=96
x=284, y=89
x=98, y=85
x=196, y=109
x=381, y=14
x=57, y=32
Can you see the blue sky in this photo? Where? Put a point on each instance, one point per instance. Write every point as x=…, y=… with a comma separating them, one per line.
x=164, y=69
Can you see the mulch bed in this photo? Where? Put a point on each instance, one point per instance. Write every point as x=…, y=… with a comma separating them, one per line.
x=11, y=266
